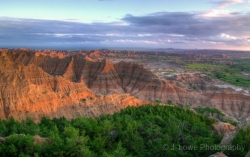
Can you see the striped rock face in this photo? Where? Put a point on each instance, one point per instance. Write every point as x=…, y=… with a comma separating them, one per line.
x=35, y=84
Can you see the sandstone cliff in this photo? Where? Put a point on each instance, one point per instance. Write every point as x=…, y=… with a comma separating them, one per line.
x=31, y=90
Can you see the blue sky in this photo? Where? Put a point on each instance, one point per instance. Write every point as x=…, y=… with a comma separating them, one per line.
x=220, y=24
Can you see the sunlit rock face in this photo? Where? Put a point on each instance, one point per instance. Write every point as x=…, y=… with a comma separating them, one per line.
x=53, y=84
x=38, y=86
x=223, y=128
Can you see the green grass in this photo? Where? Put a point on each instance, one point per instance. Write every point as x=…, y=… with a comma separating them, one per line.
x=228, y=73
x=236, y=80
x=199, y=66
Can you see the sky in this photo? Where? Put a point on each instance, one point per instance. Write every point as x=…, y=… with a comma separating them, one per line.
x=64, y=24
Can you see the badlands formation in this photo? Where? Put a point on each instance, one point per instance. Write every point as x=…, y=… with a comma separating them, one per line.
x=35, y=84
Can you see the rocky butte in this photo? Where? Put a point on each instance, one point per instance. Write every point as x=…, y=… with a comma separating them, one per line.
x=37, y=84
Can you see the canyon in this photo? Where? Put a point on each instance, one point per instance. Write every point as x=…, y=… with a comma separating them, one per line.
x=54, y=84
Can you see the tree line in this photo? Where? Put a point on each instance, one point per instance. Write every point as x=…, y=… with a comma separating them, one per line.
x=144, y=131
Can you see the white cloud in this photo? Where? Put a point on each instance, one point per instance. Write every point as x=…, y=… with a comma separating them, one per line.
x=225, y=3
x=135, y=41
x=248, y=4
x=176, y=35
x=220, y=5
x=164, y=40
x=63, y=35
x=228, y=37
x=144, y=35
x=213, y=42
x=216, y=13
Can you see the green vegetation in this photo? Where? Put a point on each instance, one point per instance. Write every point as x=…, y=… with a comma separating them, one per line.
x=208, y=110
x=241, y=139
x=158, y=58
x=83, y=99
x=170, y=102
x=231, y=73
x=212, y=111
x=230, y=122
x=205, y=67
x=158, y=102
x=160, y=130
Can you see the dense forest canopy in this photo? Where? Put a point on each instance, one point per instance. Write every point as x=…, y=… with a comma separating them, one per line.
x=161, y=130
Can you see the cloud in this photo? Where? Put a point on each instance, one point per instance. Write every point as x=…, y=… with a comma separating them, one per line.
x=226, y=36
x=248, y=4
x=224, y=3
x=191, y=24
x=219, y=13
x=161, y=18
x=160, y=29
